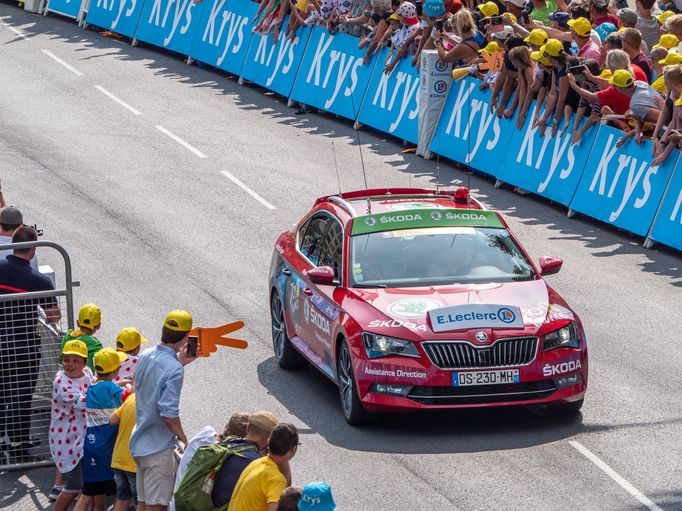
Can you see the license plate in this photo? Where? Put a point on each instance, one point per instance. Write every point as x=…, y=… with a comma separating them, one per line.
x=485, y=377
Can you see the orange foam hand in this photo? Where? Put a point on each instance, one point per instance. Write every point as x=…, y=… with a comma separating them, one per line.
x=491, y=62
x=211, y=338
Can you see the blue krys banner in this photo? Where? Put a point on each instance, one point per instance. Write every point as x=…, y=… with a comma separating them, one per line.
x=69, y=8
x=120, y=16
x=390, y=104
x=619, y=186
x=332, y=76
x=274, y=65
x=469, y=132
x=170, y=24
x=224, y=34
x=667, y=227
x=548, y=166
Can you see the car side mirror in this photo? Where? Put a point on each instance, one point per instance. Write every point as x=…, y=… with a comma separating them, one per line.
x=323, y=275
x=550, y=265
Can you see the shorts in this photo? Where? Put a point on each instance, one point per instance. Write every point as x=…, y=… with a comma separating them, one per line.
x=73, y=479
x=156, y=478
x=126, y=485
x=99, y=488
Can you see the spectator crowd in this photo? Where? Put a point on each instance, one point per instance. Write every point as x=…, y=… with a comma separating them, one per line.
x=115, y=427
x=586, y=61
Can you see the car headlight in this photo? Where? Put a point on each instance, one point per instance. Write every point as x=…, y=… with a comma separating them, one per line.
x=565, y=337
x=381, y=345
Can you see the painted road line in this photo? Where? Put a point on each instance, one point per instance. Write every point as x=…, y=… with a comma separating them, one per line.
x=614, y=475
x=16, y=31
x=117, y=99
x=248, y=190
x=60, y=61
x=180, y=141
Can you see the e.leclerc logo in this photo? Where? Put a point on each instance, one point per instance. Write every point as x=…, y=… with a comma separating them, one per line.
x=441, y=65
x=440, y=86
x=506, y=315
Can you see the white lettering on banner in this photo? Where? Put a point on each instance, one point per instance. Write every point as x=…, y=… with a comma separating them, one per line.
x=396, y=323
x=400, y=373
x=564, y=367
x=322, y=46
x=319, y=321
x=210, y=26
x=237, y=25
x=182, y=7
x=411, y=84
x=677, y=208
x=603, y=167
x=286, y=48
x=456, y=115
x=109, y=6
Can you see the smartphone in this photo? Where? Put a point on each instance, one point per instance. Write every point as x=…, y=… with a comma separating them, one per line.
x=192, y=346
x=577, y=70
x=439, y=25
x=526, y=17
x=496, y=20
x=419, y=6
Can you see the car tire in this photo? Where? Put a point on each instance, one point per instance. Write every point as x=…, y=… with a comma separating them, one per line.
x=352, y=408
x=566, y=408
x=286, y=355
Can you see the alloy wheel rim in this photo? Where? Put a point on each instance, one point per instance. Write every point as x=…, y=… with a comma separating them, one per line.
x=277, y=327
x=346, y=380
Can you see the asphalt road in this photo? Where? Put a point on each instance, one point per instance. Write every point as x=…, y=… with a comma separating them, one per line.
x=151, y=225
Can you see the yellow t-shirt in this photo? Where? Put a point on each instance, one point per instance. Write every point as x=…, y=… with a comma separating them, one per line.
x=260, y=484
x=121, y=458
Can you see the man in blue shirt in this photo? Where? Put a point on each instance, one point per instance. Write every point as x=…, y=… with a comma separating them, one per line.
x=158, y=383
x=20, y=342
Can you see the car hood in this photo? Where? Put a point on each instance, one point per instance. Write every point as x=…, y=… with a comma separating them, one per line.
x=407, y=308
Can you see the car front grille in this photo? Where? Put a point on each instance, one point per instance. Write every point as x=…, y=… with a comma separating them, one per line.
x=463, y=355
x=480, y=394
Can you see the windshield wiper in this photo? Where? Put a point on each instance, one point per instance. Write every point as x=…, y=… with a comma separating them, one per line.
x=369, y=286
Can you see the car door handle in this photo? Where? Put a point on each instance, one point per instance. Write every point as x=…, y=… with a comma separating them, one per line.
x=307, y=291
x=286, y=271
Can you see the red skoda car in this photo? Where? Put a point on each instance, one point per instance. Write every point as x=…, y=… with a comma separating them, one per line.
x=412, y=299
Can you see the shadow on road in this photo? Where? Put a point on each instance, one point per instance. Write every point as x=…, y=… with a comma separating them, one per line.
x=314, y=400
x=26, y=490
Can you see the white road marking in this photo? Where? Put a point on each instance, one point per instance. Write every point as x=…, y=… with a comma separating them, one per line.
x=118, y=100
x=614, y=475
x=248, y=190
x=16, y=31
x=180, y=141
x=60, y=61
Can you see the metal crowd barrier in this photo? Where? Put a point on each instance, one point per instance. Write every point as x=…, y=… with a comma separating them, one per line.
x=29, y=350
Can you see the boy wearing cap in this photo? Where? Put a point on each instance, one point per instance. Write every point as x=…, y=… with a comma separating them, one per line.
x=580, y=32
x=89, y=321
x=128, y=341
x=67, y=420
x=158, y=384
x=316, y=496
x=10, y=220
x=101, y=400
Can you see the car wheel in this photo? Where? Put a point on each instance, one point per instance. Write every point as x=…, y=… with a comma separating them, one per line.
x=566, y=408
x=352, y=408
x=286, y=355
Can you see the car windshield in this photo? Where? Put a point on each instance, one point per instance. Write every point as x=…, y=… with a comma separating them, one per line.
x=437, y=256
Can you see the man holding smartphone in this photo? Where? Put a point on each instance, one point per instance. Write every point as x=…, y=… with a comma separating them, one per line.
x=158, y=384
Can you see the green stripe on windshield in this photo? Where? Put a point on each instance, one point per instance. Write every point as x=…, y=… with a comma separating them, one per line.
x=411, y=219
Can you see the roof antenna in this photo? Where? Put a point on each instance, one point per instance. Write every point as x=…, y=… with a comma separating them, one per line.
x=357, y=133
x=336, y=168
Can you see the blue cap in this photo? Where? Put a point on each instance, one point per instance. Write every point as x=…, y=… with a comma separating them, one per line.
x=560, y=18
x=316, y=496
x=433, y=8
x=605, y=29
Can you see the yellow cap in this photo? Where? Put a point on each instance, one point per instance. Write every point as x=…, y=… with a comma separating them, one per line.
x=302, y=5
x=108, y=360
x=490, y=48
x=539, y=57
x=666, y=41
x=553, y=48
x=128, y=339
x=606, y=73
x=489, y=9
x=78, y=348
x=394, y=17
x=178, y=320
x=537, y=37
x=671, y=59
x=90, y=316
x=580, y=26
x=659, y=85
x=664, y=16
x=622, y=78
x=513, y=18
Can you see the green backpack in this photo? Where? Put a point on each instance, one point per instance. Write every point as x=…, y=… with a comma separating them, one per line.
x=196, y=485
